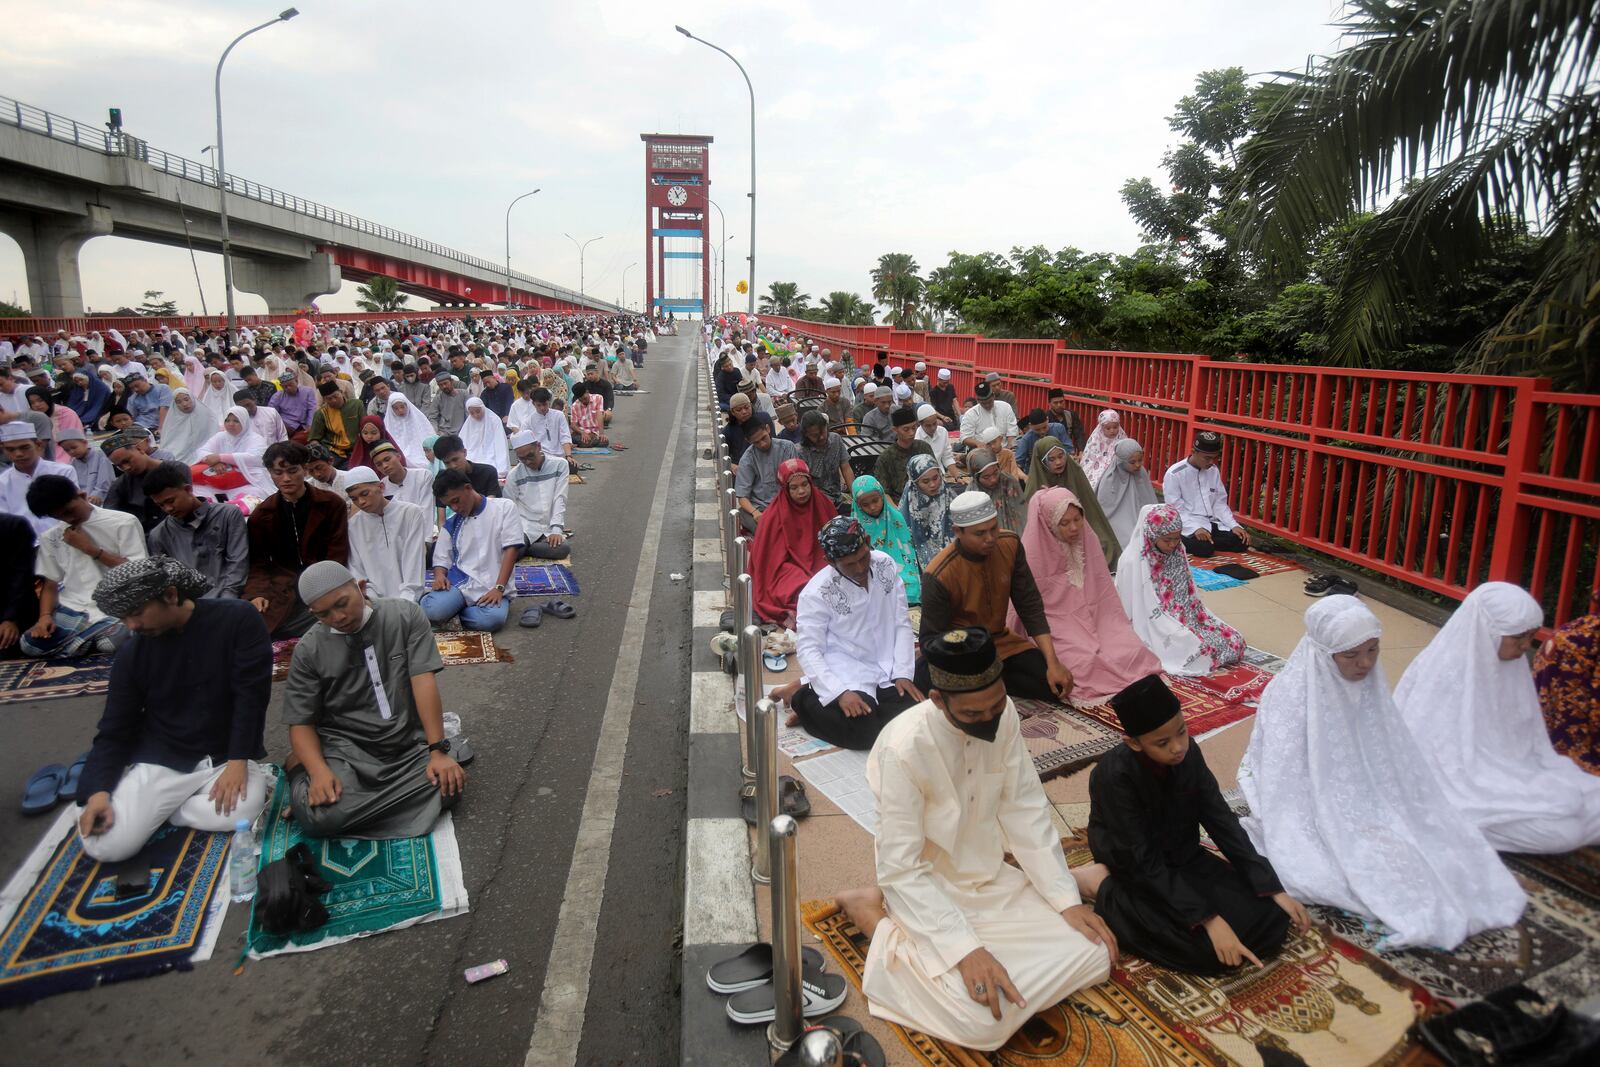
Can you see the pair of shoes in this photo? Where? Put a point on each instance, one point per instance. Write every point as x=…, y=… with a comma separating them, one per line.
x=792, y=800
x=746, y=979
x=1329, y=585
x=857, y=1048
x=52, y=784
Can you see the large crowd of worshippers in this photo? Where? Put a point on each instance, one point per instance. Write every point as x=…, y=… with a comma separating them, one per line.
x=184, y=503
x=1045, y=566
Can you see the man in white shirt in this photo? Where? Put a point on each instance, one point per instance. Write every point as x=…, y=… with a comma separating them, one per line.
x=550, y=428
x=931, y=432
x=25, y=450
x=264, y=420
x=965, y=946
x=537, y=485
x=388, y=538
x=779, y=382
x=414, y=485
x=1194, y=486
x=853, y=637
x=472, y=563
x=986, y=413
x=74, y=554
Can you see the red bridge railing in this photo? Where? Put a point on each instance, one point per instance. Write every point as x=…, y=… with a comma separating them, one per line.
x=1442, y=481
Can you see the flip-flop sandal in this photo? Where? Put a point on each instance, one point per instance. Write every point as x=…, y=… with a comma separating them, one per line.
x=69, y=784
x=820, y=993
x=753, y=967
x=618, y=448
x=531, y=616
x=792, y=799
x=775, y=661
x=561, y=609
x=461, y=751
x=43, y=789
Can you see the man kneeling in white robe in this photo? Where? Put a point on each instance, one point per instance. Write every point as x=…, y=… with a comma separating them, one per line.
x=966, y=947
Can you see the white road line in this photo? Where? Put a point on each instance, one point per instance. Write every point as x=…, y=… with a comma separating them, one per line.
x=559, y=1026
x=709, y=604
x=711, y=704
x=718, y=905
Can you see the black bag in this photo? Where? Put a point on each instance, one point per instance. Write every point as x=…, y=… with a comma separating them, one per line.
x=1238, y=571
x=286, y=894
x=1514, y=1025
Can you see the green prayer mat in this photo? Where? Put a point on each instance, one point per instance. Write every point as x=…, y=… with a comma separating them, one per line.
x=377, y=885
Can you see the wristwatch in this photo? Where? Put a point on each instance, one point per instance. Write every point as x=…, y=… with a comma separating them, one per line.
x=500, y=587
x=441, y=745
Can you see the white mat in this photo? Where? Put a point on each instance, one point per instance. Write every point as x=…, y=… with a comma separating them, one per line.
x=841, y=776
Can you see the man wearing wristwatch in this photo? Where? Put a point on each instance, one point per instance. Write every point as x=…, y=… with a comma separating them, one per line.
x=366, y=722
x=478, y=546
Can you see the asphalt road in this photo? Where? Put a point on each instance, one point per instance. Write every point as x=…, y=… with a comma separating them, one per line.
x=399, y=998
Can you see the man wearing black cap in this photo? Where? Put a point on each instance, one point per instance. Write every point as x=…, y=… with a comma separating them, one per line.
x=987, y=412
x=956, y=790
x=1033, y=427
x=891, y=469
x=1194, y=486
x=337, y=421
x=1165, y=896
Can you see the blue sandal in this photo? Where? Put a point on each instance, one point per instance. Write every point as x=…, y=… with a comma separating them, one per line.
x=69, y=784
x=43, y=790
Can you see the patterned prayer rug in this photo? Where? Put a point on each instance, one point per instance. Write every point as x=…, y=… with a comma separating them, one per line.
x=377, y=885
x=543, y=579
x=458, y=648
x=1242, y=684
x=1576, y=874
x=1204, y=708
x=73, y=930
x=45, y=679
x=1208, y=580
x=1260, y=562
x=1061, y=740
x=1322, y=999
x=592, y=451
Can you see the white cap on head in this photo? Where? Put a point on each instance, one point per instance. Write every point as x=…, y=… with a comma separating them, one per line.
x=359, y=476
x=868, y=389
x=971, y=508
x=831, y=383
x=18, y=430
x=895, y=372
x=921, y=365
x=902, y=391
x=991, y=434
x=925, y=411
x=521, y=438
x=944, y=374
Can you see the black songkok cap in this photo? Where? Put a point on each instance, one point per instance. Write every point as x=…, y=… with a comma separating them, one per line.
x=962, y=661
x=1034, y=417
x=1145, y=705
x=981, y=390
x=1209, y=442
x=903, y=417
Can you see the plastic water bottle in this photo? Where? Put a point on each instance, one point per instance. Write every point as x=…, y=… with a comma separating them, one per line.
x=452, y=724
x=242, y=862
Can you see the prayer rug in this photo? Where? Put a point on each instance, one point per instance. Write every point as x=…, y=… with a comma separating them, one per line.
x=1209, y=580
x=377, y=885
x=1242, y=684
x=458, y=648
x=1577, y=874
x=46, y=679
x=576, y=479
x=1321, y=999
x=543, y=579
x=1204, y=708
x=72, y=930
x=1260, y=562
x=592, y=451
x=1061, y=740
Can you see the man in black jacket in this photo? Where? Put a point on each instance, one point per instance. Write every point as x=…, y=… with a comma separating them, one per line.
x=452, y=452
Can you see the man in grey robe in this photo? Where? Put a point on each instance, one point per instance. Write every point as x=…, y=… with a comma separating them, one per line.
x=203, y=534
x=366, y=723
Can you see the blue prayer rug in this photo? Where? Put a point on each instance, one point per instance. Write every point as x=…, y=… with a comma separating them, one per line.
x=45, y=679
x=74, y=930
x=1204, y=579
x=592, y=451
x=543, y=579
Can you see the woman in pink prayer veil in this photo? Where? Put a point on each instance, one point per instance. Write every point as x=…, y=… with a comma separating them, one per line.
x=1093, y=637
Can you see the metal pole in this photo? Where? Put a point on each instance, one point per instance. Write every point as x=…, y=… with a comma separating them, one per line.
x=787, y=1020
x=722, y=286
x=763, y=723
x=583, y=297
x=750, y=678
x=752, y=259
x=622, y=301
x=509, y=206
x=222, y=171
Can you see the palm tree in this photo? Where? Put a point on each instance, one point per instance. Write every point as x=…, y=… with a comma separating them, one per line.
x=381, y=293
x=785, y=299
x=1459, y=124
x=897, y=286
x=845, y=309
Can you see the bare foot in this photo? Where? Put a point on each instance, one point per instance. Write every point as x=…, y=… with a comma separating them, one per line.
x=791, y=719
x=864, y=907
x=786, y=692
x=1089, y=878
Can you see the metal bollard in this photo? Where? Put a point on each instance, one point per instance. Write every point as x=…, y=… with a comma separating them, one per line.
x=765, y=739
x=750, y=677
x=821, y=1048
x=730, y=536
x=786, y=978
x=741, y=555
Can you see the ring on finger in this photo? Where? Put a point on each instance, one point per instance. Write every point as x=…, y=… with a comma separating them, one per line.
x=980, y=989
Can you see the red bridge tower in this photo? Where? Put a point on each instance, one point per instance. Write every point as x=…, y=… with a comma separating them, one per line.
x=677, y=222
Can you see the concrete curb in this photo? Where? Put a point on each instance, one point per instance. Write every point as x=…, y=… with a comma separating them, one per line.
x=719, y=916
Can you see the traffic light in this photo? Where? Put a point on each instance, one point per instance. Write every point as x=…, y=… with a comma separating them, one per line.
x=116, y=119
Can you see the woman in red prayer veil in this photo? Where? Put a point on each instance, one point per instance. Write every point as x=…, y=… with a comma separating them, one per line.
x=786, y=553
x=373, y=433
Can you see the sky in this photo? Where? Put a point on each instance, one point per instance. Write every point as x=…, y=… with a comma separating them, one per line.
x=891, y=127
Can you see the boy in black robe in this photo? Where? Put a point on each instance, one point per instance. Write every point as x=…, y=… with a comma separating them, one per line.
x=1166, y=897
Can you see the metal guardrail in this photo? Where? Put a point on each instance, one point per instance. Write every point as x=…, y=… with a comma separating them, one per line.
x=106, y=142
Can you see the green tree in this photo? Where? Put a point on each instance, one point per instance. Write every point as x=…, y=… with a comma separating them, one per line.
x=845, y=309
x=785, y=299
x=897, y=285
x=381, y=293
x=12, y=311
x=1460, y=127
x=155, y=307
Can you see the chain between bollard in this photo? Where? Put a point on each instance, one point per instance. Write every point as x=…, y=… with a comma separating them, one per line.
x=786, y=977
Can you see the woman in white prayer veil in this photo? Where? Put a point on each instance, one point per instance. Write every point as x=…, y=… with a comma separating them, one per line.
x=1345, y=807
x=485, y=436
x=1469, y=701
x=230, y=459
x=216, y=395
x=409, y=428
x=188, y=427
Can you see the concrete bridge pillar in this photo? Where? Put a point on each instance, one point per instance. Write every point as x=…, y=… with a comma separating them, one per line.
x=289, y=285
x=50, y=245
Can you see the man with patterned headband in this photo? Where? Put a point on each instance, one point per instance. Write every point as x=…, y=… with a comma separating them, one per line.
x=966, y=947
x=184, y=714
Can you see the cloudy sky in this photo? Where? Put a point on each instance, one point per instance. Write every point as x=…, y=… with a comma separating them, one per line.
x=909, y=127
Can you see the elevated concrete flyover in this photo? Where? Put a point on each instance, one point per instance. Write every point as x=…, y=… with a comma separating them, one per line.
x=65, y=182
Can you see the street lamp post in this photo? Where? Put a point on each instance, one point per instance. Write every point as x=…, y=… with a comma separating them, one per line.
x=582, y=296
x=509, y=206
x=747, y=85
x=722, y=286
x=222, y=181
x=622, y=301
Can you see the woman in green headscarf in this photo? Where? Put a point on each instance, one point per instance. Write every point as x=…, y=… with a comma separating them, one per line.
x=888, y=530
x=1052, y=466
